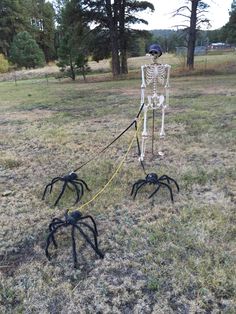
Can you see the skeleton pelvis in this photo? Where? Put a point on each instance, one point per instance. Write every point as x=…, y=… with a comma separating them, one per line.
x=156, y=101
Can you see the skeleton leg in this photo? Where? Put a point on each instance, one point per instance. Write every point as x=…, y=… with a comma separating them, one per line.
x=144, y=133
x=162, y=133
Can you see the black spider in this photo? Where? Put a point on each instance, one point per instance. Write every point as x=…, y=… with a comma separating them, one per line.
x=70, y=180
x=152, y=178
x=74, y=219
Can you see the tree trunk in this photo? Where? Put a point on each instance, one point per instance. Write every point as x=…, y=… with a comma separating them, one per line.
x=192, y=35
x=72, y=69
x=114, y=39
x=122, y=36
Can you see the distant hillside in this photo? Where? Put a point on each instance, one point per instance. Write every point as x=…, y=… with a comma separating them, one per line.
x=162, y=32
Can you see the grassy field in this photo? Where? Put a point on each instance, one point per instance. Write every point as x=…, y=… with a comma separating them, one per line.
x=159, y=257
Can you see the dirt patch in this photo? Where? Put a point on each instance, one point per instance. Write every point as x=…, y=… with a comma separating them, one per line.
x=33, y=115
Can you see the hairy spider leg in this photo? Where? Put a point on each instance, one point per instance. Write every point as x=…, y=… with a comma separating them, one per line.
x=136, y=183
x=78, y=191
x=74, y=246
x=62, y=192
x=49, y=185
x=92, y=230
x=50, y=236
x=86, y=238
x=157, y=189
x=85, y=184
x=162, y=183
x=95, y=247
x=93, y=221
x=54, y=222
x=140, y=185
x=69, y=187
x=53, y=182
x=165, y=177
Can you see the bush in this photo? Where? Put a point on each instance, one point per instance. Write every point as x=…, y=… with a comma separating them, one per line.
x=25, y=52
x=4, y=65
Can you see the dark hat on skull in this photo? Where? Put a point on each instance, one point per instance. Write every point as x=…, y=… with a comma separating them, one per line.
x=155, y=49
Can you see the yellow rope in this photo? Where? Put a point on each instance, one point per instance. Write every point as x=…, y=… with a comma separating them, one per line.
x=113, y=176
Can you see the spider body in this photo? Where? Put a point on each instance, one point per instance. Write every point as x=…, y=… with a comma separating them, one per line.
x=76, y=221
x=71, y=181
x=152, y=178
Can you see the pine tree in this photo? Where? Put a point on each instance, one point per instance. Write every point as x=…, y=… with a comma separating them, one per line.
x=229, y=30
x=12, y=21
x=42, y=15
x=196, y=10
x=72, y=52
x=25, y=52
x=115, y=18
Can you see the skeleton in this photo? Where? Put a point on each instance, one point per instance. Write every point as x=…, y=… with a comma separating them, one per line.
x=152, y=75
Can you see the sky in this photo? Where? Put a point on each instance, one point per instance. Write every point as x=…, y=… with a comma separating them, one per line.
x=162, y=17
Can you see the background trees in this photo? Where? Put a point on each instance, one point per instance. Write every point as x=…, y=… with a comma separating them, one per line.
x=74, y=39
x=42, y=26
x=12, y=21
x=229, y=30
x=115, y=18
x=77, y=29
x=194, y=12
x=25, y=52
x=34, y=16
x=4, y=65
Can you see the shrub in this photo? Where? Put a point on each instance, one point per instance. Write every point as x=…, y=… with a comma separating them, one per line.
x=4, y=65
x=25, y=52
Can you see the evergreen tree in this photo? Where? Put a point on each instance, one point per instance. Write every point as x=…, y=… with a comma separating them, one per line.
x=74, y=32
x=115, y=18
x=42, y=26
x=12, y=21
x=25, y=52
x=229, y=30
x=196, y=14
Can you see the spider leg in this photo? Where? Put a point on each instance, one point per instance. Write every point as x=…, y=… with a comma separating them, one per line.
x=53, y=182
x=51, y=236
x=93, y=221
x=85, y=184
x=93, y=231
x=170, y=189
x=74, y=246
x=47, y=186
x=175, y=182
x=164, y=177
x=78, y=191
x=95, y=247
x=81, y=190
x=69, y=187
x=52, y=226
x=45, y=190
x=169, y=179
x=135, y=184
x=155, y=191
x=57, y=220
x=139, y=188
x=60, y=195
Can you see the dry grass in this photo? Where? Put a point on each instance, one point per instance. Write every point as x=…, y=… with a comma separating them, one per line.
x=159, y=257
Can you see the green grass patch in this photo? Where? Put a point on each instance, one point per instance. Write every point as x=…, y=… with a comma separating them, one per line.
x=159, y=257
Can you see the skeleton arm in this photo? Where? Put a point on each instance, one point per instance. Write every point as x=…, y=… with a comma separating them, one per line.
x=167, y=85
x=163, y=106
x=143, y=85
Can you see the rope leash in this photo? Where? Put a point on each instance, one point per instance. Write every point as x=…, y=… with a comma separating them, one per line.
x=114, y=174
x=134, y=122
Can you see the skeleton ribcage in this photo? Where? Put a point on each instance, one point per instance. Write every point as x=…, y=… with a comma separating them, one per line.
x=155, y=73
